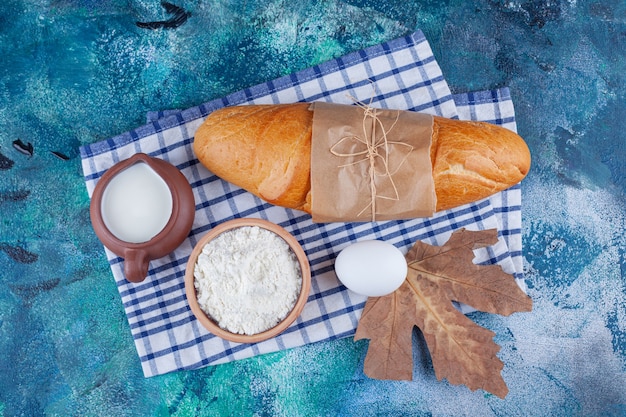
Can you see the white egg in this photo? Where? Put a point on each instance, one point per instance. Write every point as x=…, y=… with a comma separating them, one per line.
x=372, y=268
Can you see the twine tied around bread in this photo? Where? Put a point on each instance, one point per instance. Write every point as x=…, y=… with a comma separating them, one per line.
x=376, y=148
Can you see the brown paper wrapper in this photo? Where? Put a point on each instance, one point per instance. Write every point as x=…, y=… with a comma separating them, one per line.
x=370, y=164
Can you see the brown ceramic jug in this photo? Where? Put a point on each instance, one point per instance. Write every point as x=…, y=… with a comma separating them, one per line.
x=142, y=212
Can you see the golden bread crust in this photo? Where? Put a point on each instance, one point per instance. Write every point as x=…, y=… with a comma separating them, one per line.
x=473, y=160
x=264, y=149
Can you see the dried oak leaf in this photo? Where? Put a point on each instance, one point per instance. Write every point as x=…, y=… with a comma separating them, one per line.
x=461, y=351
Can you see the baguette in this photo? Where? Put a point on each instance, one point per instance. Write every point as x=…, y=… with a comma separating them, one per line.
x=266, y=149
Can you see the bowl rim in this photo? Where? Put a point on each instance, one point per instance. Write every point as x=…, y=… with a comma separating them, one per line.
x=209, y=324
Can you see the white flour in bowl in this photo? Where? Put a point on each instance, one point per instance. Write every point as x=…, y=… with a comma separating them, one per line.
x=247, y=279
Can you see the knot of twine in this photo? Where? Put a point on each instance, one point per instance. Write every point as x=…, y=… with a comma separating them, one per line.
x=375, y=149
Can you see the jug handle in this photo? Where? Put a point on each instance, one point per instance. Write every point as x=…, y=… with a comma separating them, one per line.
x=136, y=262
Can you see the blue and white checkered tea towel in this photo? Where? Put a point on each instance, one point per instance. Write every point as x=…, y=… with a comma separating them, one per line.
x=400, y=74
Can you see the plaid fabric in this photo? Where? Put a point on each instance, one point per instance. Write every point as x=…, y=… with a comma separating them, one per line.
x=401, y=74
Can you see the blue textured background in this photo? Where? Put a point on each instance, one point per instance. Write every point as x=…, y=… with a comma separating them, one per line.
x=74, y=72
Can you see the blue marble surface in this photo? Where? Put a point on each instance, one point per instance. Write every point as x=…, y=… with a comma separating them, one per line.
x=74, y=72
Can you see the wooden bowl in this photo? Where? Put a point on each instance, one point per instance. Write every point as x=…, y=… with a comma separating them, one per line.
x=208, y=322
